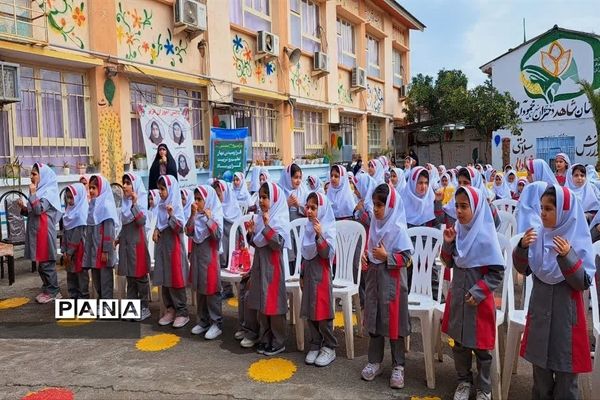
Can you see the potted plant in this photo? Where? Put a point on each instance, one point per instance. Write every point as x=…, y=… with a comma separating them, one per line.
x=140, y=161
x=12, y=169
x=92, y=167
x=66, y=168
x=81, y=168
x=126, y=162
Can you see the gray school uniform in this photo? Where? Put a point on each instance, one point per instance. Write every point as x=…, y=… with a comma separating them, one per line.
x=100, y=239
x=40, y=234
x=134, y=258
x=224, y=256
x=170, y=258
x=317, y=298
x=78, y=278
x=555, y=336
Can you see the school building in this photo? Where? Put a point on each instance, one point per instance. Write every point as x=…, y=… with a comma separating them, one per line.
x=301, y=74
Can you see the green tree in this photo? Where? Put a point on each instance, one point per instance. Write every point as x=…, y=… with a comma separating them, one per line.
x=594, y=99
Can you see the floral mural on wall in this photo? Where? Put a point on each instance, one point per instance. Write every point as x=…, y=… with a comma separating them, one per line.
x=374, y=98
x=246, y=67
x=344, y=93
x=132, y=30
x=303, y=83
x=65, y=18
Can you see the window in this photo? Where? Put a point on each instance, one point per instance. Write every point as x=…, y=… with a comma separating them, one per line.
x=17, y=17
x=260, y=118
x=142, y=93
x=308, y=132
x=397, y=68
x=548, y=147
x=345, y=43
x=373, y=68
x=251, y=14
x=304, y=25
x=348, y=126
x=51, y=123
x=374, y=135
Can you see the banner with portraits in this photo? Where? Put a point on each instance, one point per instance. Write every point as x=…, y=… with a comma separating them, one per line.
x=169, y=126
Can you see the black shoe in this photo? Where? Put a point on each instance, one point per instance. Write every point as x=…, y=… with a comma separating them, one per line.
x=271, y=351
x=260, y=349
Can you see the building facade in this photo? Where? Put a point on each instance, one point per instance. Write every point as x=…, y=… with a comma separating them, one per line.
x=86, y=65
x=542, y=75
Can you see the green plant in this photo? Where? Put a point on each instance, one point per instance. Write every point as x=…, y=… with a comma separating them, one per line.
x=594, y=100
x=11, y=170
x=66, y=164
x=139, y=155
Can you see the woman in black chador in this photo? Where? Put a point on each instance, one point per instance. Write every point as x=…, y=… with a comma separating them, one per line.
x=163, y=164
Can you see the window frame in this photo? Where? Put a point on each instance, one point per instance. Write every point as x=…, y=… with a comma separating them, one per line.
x=340, y=23
x=348, y=121
x=371, y=67
x=250, y=9
x=374, y=131
x=300, y=15
x=310, y=127
x=400, y=74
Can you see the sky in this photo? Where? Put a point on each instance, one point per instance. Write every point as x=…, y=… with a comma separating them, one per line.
x=465, y=34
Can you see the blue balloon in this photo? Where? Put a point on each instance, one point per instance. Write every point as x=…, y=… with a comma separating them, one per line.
x=497, y=139
x=228, y=176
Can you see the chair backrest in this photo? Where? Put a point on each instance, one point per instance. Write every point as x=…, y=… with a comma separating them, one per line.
x=508, y=223
x=149, y=235
x=297, y=234
x=236, y=227
x=14, y=232
x=427, y=243
x=244, y=208
x=593, y=291
x=507, y=282
x=253, y=199
x=509, y=205
x=349, y=234
x=514, y=242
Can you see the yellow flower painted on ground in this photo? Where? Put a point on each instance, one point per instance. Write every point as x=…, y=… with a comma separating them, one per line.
x=155, y=290
x=73, y=322
x=338, y=320
x=13, y=302
x=272, y=370
x=233, y=302
x=451, y=342
x=54, y=393
x=158, y=342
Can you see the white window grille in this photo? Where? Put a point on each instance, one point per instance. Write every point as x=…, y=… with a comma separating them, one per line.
x=373, y=61
x=304, y=25
x=345, y=43
x=349, y=129
x=397, y=68
x=374, y=135
x=308, y=132
x=251, y=14
x=261, y=119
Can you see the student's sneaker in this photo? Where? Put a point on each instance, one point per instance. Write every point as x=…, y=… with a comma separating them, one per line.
x=168, y=318
x=248, y=343
x=260, y=349
x=239, y=335
x=180, y=321
x=40, y=296
x=481, y=395
x=326, y=357
x=145, y=314
x=45, y=298
x=397, y=378
x=311, y=357
x=271, y=351
x=199, y=329
x=463, y=391
x=370, y=371
x=213, y=333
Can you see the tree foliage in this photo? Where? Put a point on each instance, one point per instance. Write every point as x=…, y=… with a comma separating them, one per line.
x=594, y=100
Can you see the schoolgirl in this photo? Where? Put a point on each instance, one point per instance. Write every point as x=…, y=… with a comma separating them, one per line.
x=562, y=164
x=240, y=189
x=586, y=193
x=339, y=193
x=73, y=241
x=470, y=313
x=539, y=170
x=500, y=187
x=315, y=185
x=561, y=258
x=423, y=206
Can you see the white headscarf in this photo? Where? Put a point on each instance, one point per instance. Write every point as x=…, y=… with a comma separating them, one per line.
x=188, y=195
x=512, y=186
x=142, y=203
x=152, y=212
x=392, y=229
x=566, y=158
x=315, y=185
x=434, y=177
x=255, y=179
x=502, y=191
x=453, y=179
x=279, y=218
x=285, y=183
x=401, y=180
x=341, y=197
x=528, y=209
x=47, y=187
x=419, y=209
x=587, y=194
x=379, y=174
x=571, y=225
x=265, y=173
x=241, y=193
x=103, y=206
x=211, y=202
x=328, y=230
x=173, y=199
x=477, y=235
x=541, y=171
x=366, y=185
x=231, y=209
x=76, y=215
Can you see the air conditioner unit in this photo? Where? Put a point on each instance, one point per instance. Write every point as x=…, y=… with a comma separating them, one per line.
x=190, y=15
x=320, y=62
x=359, y=79
x=267, y=44
x=402, y=92
x=9, y=83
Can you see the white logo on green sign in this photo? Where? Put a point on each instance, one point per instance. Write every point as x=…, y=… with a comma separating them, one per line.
x=549, y=68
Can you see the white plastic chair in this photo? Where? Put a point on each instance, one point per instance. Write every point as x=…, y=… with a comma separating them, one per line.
x=508, y=223
x=292, y=282
x=348, y=234
x=516, y=326
x=509, y=205
x=226, y=274
x=428, y=243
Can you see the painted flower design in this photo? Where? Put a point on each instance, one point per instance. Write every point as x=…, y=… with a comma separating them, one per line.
x=130, y=38
x=78, y=16
x=153, y=54
x=146, y=47
x=169, y=47
x=259, y=71
x=248, y=54
x=237, y=43
x=120, y=33
x=556, y=60
x=270, y=68
x=136, y=19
